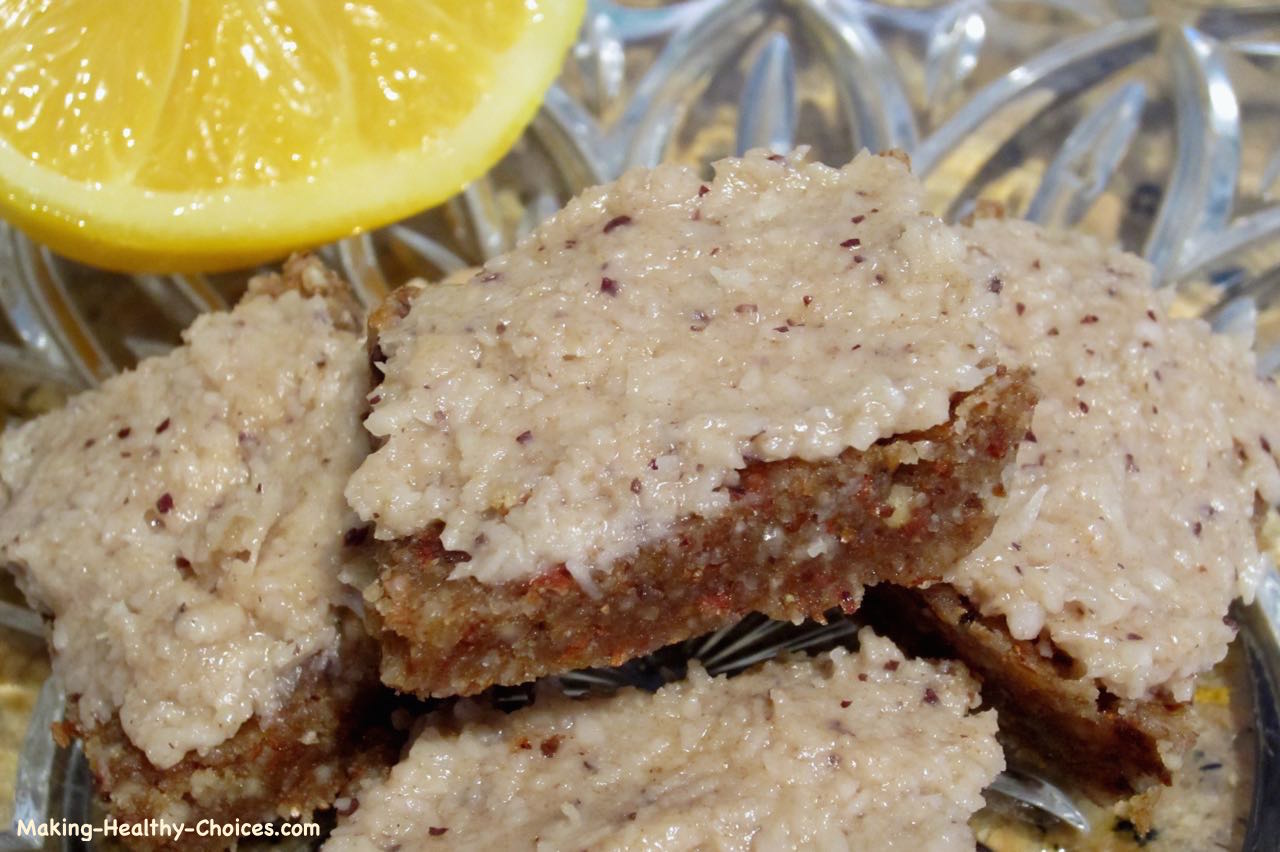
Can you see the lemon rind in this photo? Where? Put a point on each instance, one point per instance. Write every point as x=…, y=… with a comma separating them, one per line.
x=122, y=227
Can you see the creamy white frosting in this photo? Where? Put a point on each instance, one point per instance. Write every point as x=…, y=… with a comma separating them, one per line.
x=839, y=751
x=578, y=396
x=1128, y=527
x=183, y=523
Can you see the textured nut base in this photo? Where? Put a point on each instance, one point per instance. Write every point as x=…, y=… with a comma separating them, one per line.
x=1108, y=747
x=332, y=735
x=798, y=539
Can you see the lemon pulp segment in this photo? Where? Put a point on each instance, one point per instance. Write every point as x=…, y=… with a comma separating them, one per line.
x=201, y=134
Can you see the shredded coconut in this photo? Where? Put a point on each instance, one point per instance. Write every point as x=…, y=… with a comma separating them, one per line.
x=1129, y=523
x=183, y=523
x=828, y=752
x=577, y=397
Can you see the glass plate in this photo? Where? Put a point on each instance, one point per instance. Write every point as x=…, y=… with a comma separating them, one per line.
x=1155, y=126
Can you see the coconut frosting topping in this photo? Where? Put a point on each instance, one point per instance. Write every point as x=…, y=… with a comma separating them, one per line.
x=183, y=523
x=820, y=753
x=1129, y=524
x=578, y=396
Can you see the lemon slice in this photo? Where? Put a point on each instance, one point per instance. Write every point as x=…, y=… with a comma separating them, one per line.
x=204, y=134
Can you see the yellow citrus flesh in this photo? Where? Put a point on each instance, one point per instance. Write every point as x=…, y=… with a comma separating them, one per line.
x=210, y=134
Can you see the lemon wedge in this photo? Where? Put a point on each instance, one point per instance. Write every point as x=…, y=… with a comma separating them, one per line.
x=211, y=134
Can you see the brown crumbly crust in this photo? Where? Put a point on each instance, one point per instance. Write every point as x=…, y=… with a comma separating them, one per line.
x=385, y=315
x=1108, y=747
x=305, y=274
x=444, y=637
x=331, y=735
